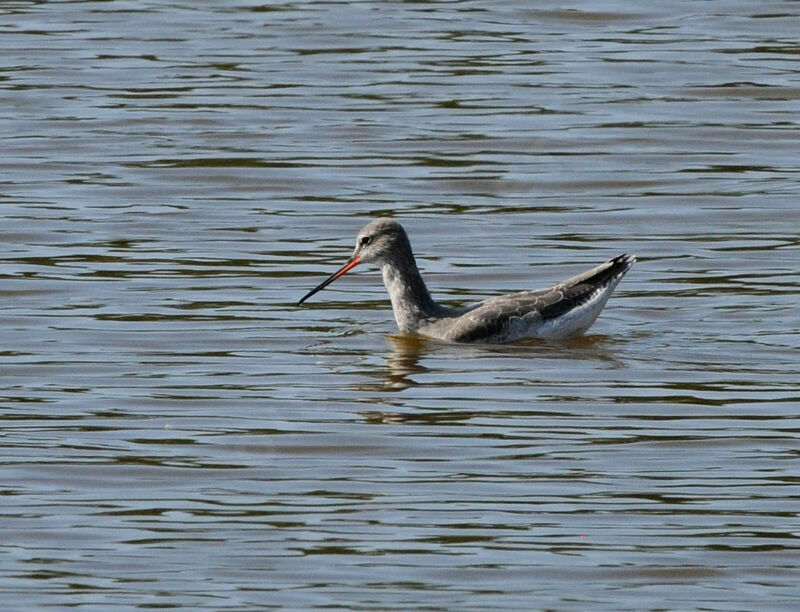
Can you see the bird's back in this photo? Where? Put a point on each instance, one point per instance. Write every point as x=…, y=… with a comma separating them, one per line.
x=563, y=310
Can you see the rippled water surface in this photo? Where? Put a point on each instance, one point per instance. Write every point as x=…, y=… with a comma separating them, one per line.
x=177, y=433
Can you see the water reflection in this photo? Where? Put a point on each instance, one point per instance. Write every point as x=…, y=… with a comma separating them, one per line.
x=400, y=364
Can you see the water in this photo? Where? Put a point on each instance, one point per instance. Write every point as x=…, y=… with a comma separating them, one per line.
x=176, y=433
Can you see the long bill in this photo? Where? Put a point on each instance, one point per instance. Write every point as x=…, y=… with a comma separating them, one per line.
x=351, y=263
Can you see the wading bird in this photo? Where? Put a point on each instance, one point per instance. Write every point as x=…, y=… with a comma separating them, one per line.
x=564, y=310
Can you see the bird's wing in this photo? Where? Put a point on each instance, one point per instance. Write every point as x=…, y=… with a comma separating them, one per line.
x=490, y=320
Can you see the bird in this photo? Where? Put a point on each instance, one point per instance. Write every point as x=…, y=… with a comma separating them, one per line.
x=563, y=310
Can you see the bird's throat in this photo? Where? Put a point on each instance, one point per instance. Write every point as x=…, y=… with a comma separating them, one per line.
x=411, y=302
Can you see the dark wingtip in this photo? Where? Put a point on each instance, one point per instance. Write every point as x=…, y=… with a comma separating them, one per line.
x=625, y=259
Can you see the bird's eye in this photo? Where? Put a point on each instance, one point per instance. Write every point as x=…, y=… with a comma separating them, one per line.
x=365, y=241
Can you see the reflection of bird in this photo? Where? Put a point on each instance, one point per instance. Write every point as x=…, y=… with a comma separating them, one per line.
x=561, y=311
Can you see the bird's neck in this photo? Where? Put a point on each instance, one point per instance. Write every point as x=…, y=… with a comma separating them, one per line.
x=411, y=302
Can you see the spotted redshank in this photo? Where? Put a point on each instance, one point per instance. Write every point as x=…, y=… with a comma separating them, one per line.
x=561, y=311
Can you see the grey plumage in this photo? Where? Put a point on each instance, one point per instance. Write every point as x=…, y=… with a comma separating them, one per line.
x=563, y=310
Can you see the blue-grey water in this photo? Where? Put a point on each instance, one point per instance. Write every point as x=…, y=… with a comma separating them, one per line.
x=177, y=433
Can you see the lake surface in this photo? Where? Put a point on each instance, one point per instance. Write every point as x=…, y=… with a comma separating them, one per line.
x=174, y=176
